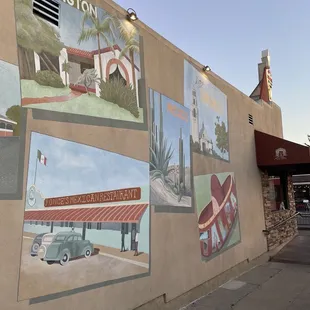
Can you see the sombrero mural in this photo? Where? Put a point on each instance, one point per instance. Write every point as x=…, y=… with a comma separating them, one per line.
x=217, y=209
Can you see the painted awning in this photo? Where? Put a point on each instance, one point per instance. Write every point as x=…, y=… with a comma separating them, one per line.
x=276, y=154
x=112, y=214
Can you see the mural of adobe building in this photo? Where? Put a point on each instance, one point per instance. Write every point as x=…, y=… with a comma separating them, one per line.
x=80, y=62
x=85, y=230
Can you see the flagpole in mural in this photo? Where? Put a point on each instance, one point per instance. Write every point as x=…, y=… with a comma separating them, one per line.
x=42, y=159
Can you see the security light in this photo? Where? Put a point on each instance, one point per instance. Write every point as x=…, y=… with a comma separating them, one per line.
x=131, y=15
x=206, y=68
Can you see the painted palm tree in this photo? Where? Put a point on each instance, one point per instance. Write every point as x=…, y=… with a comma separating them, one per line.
x=65, y=68
x=88, y=77
x=100, y=29
x=128, y=33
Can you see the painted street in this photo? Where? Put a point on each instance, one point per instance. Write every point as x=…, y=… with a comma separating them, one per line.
x=39, y=279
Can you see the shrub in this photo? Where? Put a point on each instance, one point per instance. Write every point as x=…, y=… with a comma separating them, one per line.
x=49, y=78
x=116, y=92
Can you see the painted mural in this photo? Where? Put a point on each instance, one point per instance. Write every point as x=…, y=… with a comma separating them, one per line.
x=208, y=106
x=87, y=65
x=9, y=100
x=86, y=217
x=170, y=163
x=9, y=127
x=217, y=210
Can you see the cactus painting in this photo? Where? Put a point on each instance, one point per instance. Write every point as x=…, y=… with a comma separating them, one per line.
x=169, y=152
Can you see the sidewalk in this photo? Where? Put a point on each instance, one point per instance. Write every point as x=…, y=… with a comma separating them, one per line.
x=271, y=286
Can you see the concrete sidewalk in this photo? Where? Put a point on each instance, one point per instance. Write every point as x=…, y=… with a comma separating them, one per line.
x=271, y=286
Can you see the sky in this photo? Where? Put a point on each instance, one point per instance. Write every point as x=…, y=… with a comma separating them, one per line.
x=74, y=168
x=9, y=86
x=172, y=127
x=229, y=37
x=212, y=103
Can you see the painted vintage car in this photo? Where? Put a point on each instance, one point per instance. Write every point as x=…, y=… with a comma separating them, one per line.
x=36, y=243
x=63, y=246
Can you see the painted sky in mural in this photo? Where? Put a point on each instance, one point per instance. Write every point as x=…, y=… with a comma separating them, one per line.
x=170, y=157
x=70, y=163
x=61, y=70
x=217, y=210
x=9, y=86
x=211, y=109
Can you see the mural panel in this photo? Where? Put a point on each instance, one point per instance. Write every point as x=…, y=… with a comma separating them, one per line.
x=170, y=162
x=9, y=127
x=217, y=210
x=78, y=60
x=208, y=106
x=86, y=218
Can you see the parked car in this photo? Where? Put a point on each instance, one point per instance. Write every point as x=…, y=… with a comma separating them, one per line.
x=36, y=243
x=63, y=246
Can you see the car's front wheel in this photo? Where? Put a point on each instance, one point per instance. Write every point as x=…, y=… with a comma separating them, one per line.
x=65, y=258
x=87, y=252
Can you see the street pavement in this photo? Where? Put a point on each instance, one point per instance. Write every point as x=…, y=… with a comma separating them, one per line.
x=271, y=286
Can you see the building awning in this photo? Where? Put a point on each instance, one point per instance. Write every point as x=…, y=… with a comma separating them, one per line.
x=112, y=214
x=275, y=154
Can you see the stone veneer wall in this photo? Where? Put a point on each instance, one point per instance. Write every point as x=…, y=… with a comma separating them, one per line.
x=286, y=231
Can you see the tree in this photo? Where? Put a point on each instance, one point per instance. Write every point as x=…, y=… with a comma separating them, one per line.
x=128, y=33
x=101, y=29
x=13, y=113
x=35, y=35
x=306, y=144
x=66, y=68
x=221, y=136
x=88, y=77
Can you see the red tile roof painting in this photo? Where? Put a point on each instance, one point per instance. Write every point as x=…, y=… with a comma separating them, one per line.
x=112, y=214
x=80, y=53
x=90, y=54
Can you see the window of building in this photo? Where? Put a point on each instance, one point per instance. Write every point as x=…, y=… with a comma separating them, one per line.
x=61, y=224
x=89, y=226
x=99, y=226
x=71, y=224
x=66, y=224
x=2, y=125
x=278, y=192
x=85, y=66
x=9, y=127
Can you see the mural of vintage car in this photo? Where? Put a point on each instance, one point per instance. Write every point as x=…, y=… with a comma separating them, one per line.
x=63, y=246
x=36, y=243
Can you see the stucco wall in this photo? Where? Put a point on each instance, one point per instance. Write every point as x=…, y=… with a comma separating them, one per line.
x=175, y=260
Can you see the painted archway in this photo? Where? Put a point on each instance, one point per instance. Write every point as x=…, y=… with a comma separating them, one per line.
x=115, y=61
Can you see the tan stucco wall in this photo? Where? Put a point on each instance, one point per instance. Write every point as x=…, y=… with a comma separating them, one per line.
x=176, y=265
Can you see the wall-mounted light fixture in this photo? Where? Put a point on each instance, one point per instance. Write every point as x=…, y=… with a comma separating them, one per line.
x=131, y=15
x=206, y=68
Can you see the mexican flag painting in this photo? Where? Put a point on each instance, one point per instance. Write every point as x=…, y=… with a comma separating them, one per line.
x=41, y=158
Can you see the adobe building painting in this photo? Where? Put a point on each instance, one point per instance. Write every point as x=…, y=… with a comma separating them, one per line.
x=86, y=217
x=217, y=210
x=208, y=106
x=9, y=127
x=78, y=60
x=170, y=162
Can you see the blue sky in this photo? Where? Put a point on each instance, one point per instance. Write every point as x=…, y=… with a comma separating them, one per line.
x=211, y=102
x=74, y=168
x=172, y=127
x=229, y=37
x=9, y=86
x=70, y=29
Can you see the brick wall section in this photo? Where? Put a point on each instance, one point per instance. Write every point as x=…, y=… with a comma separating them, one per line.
x=285, y=231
